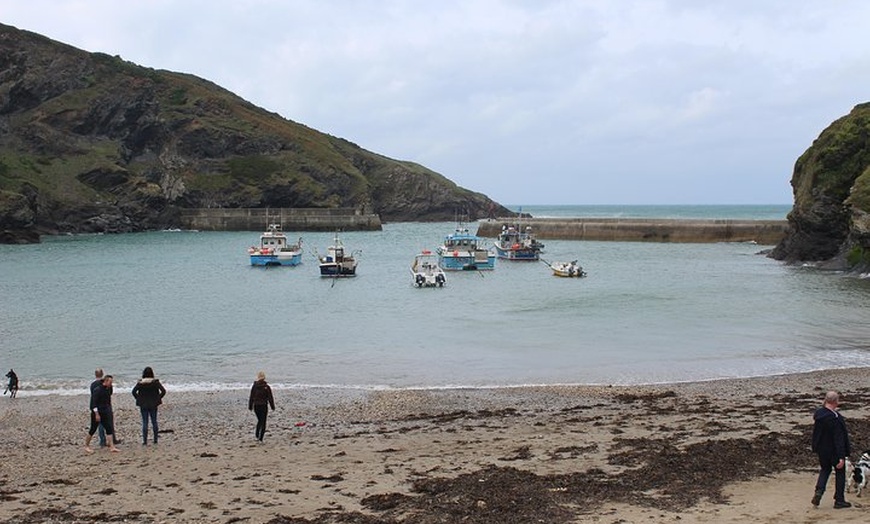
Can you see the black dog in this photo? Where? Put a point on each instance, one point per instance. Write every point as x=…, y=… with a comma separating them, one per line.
x=12, y=387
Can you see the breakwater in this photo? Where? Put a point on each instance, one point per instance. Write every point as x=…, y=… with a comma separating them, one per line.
x=292, y=219
x=767, y=232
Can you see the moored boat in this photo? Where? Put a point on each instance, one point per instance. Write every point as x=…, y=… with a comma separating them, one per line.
x=425, y=271
x=514, y=243
x=463, y=251
x=567, y=269
x=336, y=262
x=274, y=250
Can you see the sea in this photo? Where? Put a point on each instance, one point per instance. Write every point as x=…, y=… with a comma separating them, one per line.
x=190, y=305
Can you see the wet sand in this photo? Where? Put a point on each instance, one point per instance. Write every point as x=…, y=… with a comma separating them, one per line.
x=719, y=451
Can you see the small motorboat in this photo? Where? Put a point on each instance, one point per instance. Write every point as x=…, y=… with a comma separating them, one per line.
x=336, y=262
x=567, y=269
x=274, y=249
x=426, y=272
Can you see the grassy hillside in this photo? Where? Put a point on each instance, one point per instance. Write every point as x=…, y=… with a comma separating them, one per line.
x=93, y=141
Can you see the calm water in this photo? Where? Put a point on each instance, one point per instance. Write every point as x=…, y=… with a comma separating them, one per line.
x=189, y=305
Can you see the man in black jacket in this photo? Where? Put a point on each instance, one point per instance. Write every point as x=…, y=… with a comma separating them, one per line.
x=831, y=443
x=98, y=381
x=101, y=414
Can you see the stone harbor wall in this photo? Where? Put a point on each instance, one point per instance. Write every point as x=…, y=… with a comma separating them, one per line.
x=766, y=232
x=291, y=219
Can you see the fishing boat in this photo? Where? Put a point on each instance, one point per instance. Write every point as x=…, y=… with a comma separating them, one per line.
x=463, y=251
x=336, y=262
x=425, y=271
x=274, y=250
x=514, y=243
x=567, y=269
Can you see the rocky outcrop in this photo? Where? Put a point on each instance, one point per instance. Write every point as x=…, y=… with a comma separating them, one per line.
x=829, y=222
x=17, y=213
x=93, y=143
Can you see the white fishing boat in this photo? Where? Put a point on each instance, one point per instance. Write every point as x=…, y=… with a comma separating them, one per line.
x=274, y=250
x=336, y=262
x=567, y=269
x=425, y=271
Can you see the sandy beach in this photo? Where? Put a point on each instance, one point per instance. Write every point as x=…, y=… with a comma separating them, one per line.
x=720, y=451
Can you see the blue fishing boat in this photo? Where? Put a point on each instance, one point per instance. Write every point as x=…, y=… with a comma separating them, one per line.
x=274, y=250
x=515, y=243
x=463, y=251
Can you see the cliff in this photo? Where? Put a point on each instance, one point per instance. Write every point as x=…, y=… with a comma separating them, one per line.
x=830, y=220
x=93, y=143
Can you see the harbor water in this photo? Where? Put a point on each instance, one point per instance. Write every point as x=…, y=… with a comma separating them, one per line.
x=190, y=305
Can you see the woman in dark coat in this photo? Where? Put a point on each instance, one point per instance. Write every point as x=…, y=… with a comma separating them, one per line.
x=148, y=393
x=259, y=402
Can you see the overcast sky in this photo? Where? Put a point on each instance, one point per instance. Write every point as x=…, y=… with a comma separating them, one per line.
x=529, y=102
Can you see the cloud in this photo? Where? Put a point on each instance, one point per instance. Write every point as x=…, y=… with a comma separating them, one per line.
x=527, y=101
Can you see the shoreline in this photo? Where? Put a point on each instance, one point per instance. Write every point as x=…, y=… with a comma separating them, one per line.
x=362, y=389
x=723, y=450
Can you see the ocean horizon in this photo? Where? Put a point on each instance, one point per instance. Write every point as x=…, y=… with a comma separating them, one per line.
x=664, y=211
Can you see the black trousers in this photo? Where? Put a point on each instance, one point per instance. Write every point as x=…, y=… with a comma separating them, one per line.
x=826, y=464
x=261, y=412
x=106, y=420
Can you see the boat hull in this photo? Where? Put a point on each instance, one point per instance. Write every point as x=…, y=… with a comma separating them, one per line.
x=569, y=274
x=466, y=262
x=337, y=270
x=531, y=255
x=276, y=260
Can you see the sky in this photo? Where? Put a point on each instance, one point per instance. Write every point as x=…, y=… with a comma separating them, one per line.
x=527, y=101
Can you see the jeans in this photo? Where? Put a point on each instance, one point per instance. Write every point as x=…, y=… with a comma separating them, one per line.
x=146, y=414
x=102, y=433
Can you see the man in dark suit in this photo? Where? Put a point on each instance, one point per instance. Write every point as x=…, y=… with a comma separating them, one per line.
x=831, y=443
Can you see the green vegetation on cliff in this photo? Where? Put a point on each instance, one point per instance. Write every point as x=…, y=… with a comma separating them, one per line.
x=831, y=183
x=102, y=144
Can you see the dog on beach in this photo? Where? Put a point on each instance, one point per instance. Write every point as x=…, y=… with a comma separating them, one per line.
x=12, y=387
x=859, y=475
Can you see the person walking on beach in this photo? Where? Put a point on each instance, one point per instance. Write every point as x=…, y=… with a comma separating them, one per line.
x=831, y=443
x=101, y=414
x=259, y=402
x=98, y=381
x=12, y=386
x=148, y=393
